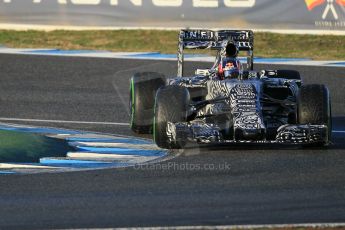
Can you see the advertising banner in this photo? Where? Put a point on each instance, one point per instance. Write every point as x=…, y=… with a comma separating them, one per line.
x=246, y=14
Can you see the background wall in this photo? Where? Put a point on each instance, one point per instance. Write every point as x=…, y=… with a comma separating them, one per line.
x=253, y=14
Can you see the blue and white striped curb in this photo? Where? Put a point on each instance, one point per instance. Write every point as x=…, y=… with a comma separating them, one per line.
x=159, y=56
x=91, y=151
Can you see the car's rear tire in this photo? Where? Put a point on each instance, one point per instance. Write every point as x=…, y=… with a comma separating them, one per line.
x=314, y=108
x=171, y=106
x=289, y=74
x=143, y=88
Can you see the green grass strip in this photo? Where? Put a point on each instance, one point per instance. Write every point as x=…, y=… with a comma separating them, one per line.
x=269, y=45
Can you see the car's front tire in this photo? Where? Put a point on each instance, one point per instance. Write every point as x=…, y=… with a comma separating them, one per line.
x=171, y=106
x=314, y=108
x=143, y=88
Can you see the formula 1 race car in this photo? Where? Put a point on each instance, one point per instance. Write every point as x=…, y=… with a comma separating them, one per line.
x=230, y=102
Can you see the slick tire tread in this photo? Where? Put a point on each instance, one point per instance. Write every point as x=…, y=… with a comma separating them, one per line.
x=314, y=107
x=143, y=88
x=171, y=106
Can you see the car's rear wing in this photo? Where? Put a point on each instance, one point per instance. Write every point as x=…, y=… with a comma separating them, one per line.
x=208, y=39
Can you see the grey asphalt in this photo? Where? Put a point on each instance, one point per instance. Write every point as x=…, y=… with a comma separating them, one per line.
x=242, y=185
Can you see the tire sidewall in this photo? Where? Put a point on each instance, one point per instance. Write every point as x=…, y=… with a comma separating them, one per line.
x=143, y=88
x=171, y=105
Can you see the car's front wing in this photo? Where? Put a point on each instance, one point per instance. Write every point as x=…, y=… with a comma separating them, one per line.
x=205, y=133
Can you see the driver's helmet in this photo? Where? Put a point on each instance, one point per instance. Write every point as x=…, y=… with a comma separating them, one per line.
x=229, y=68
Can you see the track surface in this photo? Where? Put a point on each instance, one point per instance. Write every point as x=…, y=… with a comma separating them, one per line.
x=258, y=186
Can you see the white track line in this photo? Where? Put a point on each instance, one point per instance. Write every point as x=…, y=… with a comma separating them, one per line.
x=270, y=226
x=126, y=55
x=98, y=157
x=24, y=166
x=231, y=227
x=63, y=121
x=86, y=122
x=21, y=27
x=115, y=145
